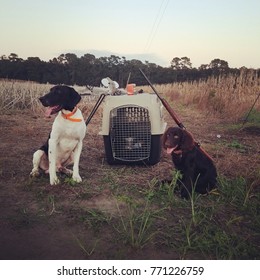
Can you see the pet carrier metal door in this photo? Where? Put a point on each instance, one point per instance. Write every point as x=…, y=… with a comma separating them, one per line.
x=130, y=133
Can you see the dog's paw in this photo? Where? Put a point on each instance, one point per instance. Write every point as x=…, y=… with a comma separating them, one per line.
x=54, y=181
x=35, y=173
x=77, y=178
x=66, y=171
x=185, y=194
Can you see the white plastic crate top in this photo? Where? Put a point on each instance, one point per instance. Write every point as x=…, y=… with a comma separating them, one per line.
x=148, y=101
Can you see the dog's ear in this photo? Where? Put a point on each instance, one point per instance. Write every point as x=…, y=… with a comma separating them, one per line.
x=187, y=142
x=74, y=97
x=163, y=138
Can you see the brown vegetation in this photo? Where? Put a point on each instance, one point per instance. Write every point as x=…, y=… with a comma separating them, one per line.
x=125, y=212
x=229, y=96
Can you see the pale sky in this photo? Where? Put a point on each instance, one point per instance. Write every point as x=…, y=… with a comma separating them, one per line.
x=153, y=30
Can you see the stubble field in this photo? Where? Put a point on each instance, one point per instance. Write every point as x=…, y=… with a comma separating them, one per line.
x=127, y=212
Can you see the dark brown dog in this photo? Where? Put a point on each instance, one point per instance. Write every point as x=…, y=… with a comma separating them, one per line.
x=197, y=169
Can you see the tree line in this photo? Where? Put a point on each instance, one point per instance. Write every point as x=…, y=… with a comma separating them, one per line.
x=89, y=70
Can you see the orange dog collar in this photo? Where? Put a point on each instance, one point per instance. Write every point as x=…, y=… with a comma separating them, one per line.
x=69, y=116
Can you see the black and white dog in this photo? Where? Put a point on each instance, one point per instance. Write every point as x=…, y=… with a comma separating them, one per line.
x=64, y=145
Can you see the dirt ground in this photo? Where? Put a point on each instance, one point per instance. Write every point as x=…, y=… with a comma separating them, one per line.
x=39, y=221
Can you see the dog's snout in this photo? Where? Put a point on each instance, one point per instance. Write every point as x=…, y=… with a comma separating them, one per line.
x=43, y=101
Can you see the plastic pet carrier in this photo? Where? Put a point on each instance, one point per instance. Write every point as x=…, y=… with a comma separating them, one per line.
x=132, y=126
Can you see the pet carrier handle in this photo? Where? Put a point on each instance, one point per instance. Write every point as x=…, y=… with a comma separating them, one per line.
x=165, y=103
x=100, y=99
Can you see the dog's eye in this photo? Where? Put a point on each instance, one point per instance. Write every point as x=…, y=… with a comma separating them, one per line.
x=176, y=137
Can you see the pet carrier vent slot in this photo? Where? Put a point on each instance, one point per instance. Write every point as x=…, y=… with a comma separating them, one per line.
x=130, y=133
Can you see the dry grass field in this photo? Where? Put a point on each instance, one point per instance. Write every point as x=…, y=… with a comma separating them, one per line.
x=227, y=96
x=126, y=212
